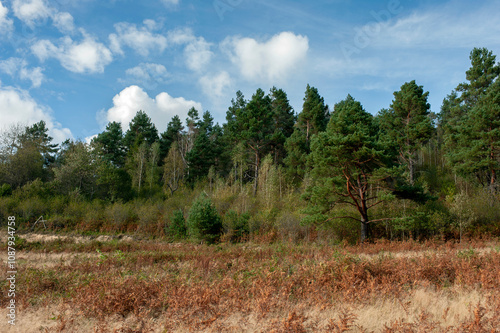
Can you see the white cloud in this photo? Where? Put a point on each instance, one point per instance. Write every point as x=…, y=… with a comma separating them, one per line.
x=448, y=25
x=89, y=139
x=64, y=22
x=148, y=75
x=181, y=36
x=143, y=40
x=35, y=12
x=18, y=107
x=6, y=24
x=197, y=52
x=161, y=109
x=18, y=66
x=272, y=61
x=215, y=87
x=31, y=12
x=87, y=56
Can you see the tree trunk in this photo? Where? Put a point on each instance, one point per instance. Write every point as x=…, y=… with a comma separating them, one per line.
x=365, y=229
x=257, y=161
x=411, y=168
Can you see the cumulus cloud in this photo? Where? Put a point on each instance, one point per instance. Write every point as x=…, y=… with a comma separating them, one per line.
x=161, y=109
x=147, y=71
x=34, y=12
x=273, y=60
x=215, y=86
x=143, y=40
x=86, y=56
x=148, y=75
x=197, y=53
x=19, y=67
x=18, y=107
x=6, y=24
x=64, y=22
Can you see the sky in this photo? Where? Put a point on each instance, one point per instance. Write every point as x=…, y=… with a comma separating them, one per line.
x=79, y=64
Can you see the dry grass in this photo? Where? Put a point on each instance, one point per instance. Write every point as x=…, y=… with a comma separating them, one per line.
x=159, y=287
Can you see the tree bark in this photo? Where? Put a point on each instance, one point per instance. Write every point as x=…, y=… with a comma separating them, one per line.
x=365, y=228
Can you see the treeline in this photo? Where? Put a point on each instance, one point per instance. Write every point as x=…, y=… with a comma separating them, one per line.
x=338, y=173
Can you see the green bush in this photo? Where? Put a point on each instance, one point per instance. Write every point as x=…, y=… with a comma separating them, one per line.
x=204, y=222
x=177, y=226
x=5, y=190
x=236, y=226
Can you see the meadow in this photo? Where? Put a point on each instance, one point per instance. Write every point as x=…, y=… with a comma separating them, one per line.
x=122, y=284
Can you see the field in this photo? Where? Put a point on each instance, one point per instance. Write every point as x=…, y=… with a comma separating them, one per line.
x=121, y=284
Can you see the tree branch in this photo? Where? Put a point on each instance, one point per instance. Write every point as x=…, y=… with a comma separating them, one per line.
x=343, y=217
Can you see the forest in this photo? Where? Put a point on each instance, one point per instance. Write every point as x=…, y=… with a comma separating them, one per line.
x=339, y=174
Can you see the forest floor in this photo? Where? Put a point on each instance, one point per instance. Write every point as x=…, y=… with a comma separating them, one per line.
x=70, y=283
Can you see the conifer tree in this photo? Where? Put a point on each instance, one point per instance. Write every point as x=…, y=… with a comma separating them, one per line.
x=407, y=125
x=141, y=129
x=346, y=160
x=171, y=134
x=111, y=141
x=256, y=124
x=284, y=119
x=470, y=121
x=312, y=120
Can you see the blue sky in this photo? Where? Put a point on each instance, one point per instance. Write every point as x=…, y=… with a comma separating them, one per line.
x=78, y=64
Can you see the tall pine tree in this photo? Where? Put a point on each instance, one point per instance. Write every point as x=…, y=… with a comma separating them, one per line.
x=312, y=120
x=407, y=125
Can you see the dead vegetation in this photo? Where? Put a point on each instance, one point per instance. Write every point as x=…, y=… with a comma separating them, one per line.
x=280, y=287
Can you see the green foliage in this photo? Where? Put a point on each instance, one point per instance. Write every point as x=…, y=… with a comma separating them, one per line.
x=171, y=135
x=111, y=143
x=204, y=151
x=37, y=134
x=236, y=226
x=407, y=125
x=204, y=223
x=119, y=214
x=79, y=169
x=345, y=161
x=141, y=129
x=177, y=226
x=284, y=119
x=312, y=120
x=471, y=122
x=350, y=168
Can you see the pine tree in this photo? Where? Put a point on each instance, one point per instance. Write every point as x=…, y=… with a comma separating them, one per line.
x=470, y=121
x=284, y=119
x=172, y=133
x=312, y=120
x=141, y=129
x=345, y=160
x=256, y=124
x=407, y=125
x=203, y=153
x=111, y=141
x=37, y=134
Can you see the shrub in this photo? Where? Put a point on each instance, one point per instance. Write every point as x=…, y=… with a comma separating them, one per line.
x=5, y=190
x=204, y=222
x=32, y=208
x=236, y=226
x=147, y=214
x=118, y=214
x=177, y=226
x=290, y=228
